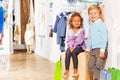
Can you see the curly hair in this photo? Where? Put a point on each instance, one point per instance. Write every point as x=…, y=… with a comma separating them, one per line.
x=74, y=15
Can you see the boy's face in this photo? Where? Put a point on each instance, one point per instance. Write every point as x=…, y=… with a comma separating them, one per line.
x=94, y=15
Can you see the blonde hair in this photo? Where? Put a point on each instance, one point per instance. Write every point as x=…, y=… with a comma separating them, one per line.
x=16, y=30
x=95, y=7
x=74, y=15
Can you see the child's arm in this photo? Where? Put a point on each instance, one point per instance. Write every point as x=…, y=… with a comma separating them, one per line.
x=104, y=37
x=89, y=46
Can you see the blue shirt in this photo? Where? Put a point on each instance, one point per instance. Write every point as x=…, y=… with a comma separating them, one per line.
x=60, y=28
x=55, y=26
x=98, y=36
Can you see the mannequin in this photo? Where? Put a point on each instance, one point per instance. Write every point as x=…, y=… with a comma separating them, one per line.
x=29, y=37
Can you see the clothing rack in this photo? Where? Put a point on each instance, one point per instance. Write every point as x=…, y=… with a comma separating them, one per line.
x=80, y=5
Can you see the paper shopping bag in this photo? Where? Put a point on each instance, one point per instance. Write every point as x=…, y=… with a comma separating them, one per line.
x=58, y=71
x=105, y=75
x=113, y=72
x=118, y=75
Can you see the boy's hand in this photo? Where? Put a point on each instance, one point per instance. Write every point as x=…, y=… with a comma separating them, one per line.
x=102, y=54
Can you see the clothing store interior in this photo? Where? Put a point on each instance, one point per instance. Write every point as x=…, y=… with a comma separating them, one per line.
x=33, y=39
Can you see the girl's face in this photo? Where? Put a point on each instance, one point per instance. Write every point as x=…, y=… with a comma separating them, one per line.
x=76, y=22
x=94, y=15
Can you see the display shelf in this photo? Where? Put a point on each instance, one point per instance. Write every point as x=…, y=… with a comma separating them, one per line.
x=74, y=2
x=91, y=0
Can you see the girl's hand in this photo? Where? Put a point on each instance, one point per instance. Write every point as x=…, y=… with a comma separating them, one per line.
x=102, y=54
x=87, y=52
x=71, y=49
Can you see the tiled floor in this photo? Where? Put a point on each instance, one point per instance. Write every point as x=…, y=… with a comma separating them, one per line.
x=28, y=67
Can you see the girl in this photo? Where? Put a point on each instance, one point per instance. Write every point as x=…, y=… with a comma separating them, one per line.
x=29, y=37
x=75, y=44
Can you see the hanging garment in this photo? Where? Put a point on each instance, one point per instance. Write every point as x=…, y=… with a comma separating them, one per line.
x=60, y=30
x=60, y=27
x=115, y=12
x=1, y=19
x=55, y=26
x=42, y=20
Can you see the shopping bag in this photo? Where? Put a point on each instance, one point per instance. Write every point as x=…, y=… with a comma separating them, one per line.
x=58, y=71
x=118, y=75
x=113, y=73
x=105, y=75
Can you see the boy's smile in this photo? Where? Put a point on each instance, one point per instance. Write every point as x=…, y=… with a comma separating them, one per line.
x=94, y=15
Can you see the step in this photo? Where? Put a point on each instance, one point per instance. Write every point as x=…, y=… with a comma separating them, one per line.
x=19, y=46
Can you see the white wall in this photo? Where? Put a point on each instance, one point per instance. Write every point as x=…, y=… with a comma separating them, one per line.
x=45, y=46
x=113, y=23
x=17, y=15
x=55, y=52
x=108, y=22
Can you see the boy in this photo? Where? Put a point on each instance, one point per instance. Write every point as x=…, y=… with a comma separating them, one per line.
x=97, y=43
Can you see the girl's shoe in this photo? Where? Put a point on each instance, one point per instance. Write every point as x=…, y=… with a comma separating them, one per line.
x=65, y=77
x=75, y=76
